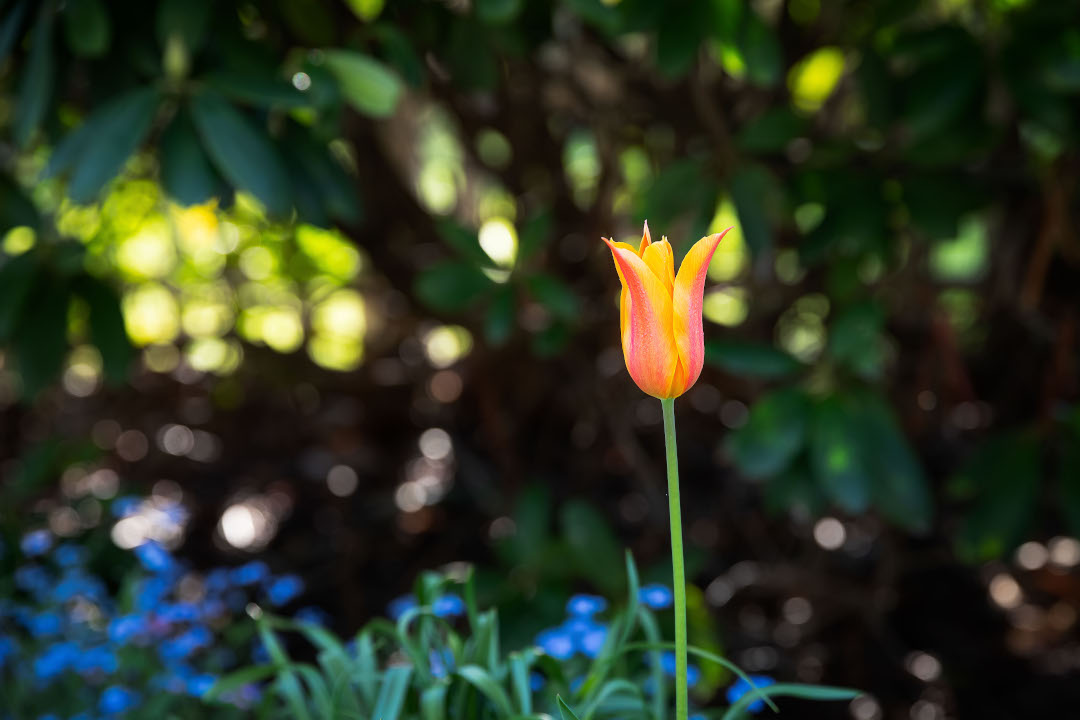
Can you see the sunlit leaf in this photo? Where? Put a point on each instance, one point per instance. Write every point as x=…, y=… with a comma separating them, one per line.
x=368, y=85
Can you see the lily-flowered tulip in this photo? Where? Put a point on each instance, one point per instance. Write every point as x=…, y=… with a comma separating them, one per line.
x=660, y=312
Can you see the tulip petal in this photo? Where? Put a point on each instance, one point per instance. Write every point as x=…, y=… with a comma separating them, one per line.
x=624, y=303
x=646, y=240
x=661, y=260
x=686, y=306
x=648, y=342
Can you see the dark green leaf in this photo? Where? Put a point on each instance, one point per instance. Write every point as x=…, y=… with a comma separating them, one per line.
x=855, y=339
x=750, y=359
x=119, y=128
x=774, y=432
x=682, y=187
x=836, y=457
x=771, y=131
x=35, y=89
x=310, y=20
x=899, y=488
x=9, y=29
x=762, y=51
x=751, y=189
x=1005, y=474
x=186, y=172
x=260, y=90
x=243, y=153
x=535, y=234
x=398, y=50
x=186, y=20
x=794, y=489
x=1069, y=481
x=106, y=326
x=16, y=209
x=497, y=11
x=367, y=85
x=451, y=286
x=499, y=321
x=40, y=339
x=465, y=242
x=86, y=25
x=595, y=548
x=473, y=63
x=17, y=276
x=679, y=36
x=555, y=295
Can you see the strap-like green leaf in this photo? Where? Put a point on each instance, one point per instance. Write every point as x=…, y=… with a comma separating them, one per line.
x=806, y=692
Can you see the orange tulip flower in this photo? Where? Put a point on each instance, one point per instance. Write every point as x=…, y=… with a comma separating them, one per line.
x=662, y=338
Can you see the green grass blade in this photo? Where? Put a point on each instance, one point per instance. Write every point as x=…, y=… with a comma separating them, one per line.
x=519, y=675
x=564, y=709
x=608, y=690
x=433, y=702
x=482, y=680
x=240, y=678
x=392, y=693
x=758, y=693
x=805, y=692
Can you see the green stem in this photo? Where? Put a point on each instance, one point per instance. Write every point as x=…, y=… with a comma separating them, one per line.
x=678, y=584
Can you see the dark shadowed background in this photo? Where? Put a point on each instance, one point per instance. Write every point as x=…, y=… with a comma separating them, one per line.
x=330, y=274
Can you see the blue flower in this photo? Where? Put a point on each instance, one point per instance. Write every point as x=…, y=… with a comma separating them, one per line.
x=117, y=699
x=182, y=646
x=124, y=506
x=284, y=589
x=656, y=596
x=557, y=643
x=536, y=681
x=217, y=580
x=126, y=627
x=45, y=624
x=33, y=579
x=36, y=542
x=251, y=573
x=154, y=557
x=69, y=555
x=50, y=716
x=76, y=583
x=179, y=612
x=55, y=660
x=740, y=688
x=442, y=662
x=449, y=605
x=96, y=659
x=7, y=648
x=667, y=664
x=200, y=684
x=400, y=605
x=151, y=592
x=592, y=642
x=313, y=615
x=585, y=605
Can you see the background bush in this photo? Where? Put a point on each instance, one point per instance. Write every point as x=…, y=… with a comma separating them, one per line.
x=332, y=269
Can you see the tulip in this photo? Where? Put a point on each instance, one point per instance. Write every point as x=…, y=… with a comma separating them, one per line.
x=660, y=312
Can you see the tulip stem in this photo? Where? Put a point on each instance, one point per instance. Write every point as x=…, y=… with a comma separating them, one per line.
x=678, y=584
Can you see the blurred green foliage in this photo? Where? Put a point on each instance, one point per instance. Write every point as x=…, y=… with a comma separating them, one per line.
x=192, y=177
